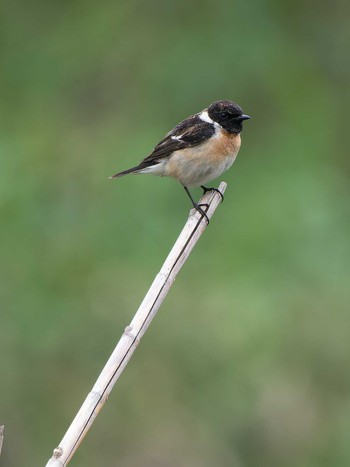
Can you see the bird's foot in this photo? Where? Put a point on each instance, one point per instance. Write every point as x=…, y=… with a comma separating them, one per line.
x=199, y=207
x=206, y=189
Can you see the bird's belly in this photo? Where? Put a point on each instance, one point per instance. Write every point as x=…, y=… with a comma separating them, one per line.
x=197, y=165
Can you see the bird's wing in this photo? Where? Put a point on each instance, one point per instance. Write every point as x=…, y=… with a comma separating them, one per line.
x=188, y=133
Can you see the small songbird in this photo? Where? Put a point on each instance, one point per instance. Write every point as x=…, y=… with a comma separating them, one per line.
x=198, y=149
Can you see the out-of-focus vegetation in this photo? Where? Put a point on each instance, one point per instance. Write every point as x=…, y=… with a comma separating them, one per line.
x=248, y=363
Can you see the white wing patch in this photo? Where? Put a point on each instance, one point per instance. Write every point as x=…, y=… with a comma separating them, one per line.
x=177, y=138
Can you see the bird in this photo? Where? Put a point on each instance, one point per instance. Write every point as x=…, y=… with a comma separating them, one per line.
x=197, y=150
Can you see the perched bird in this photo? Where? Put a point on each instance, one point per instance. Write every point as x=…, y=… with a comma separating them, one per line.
x=198, y=149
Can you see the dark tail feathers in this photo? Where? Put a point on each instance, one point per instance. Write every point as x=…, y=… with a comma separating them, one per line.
x=128, y=171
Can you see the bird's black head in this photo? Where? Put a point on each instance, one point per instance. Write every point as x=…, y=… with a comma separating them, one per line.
x=227, y=114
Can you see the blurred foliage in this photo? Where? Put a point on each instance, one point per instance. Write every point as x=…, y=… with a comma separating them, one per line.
x=248, y=363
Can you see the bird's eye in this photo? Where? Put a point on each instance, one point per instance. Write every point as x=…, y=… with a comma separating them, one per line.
x=224, y=114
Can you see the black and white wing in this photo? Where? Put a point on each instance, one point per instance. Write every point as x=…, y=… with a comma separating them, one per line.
x=186, y=134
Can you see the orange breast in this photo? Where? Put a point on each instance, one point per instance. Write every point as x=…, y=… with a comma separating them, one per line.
x=222, y=145
x=194, y=166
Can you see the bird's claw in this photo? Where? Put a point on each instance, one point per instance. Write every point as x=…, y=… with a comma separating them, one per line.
x=206, y=189
x=198, y=208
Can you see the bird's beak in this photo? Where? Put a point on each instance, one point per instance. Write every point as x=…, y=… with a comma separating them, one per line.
x=244, y=117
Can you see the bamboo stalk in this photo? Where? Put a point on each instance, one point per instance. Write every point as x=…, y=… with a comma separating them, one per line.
x=127, y=344
x=2, y=428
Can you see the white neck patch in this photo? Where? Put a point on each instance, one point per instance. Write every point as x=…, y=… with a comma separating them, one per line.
x=205, y=117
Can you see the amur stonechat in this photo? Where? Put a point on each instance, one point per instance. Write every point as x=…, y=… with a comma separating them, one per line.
x=198, y=149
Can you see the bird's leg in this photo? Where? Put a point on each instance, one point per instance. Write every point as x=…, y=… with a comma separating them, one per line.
x=197, y=206
x=205, y=189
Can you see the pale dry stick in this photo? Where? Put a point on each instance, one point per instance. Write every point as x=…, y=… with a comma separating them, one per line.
x=2, y=428
x=187, y=239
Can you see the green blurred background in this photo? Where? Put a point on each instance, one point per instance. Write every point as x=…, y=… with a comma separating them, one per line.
x=248, y=362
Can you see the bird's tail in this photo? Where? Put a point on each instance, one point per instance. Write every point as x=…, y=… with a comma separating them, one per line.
x=133, y=170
